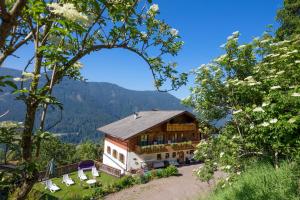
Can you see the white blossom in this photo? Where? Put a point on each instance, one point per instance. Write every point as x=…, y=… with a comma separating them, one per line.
x=292, y=86
x=238, y=173
x=221, y=58
x=174, y=32
x=221, y=154
x=254, y=83
x=230, y=37
x=251, y=126
x=297, y=61
x=275, y=87
x=236, y=33
x=223, y=45
x=241, y=46
x=273, y=121
x=280, y=72
x=28, y=74
x=237, y=111
x=227, y=167
x=154, y=8
x=78, y=65
x=265, y=124
x=264, y=41
x=292, y=120
x=265, y=104
x=68, y=11
x=17, y=79
x=258, y=109
x=144, y=34
x=296, y=94
x=248, y=78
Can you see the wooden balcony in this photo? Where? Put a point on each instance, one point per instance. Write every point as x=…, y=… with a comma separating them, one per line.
x=181, y=127
x=157, y=148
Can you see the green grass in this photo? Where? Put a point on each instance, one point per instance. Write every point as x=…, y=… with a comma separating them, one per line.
x=263, y=182
x=77, y=190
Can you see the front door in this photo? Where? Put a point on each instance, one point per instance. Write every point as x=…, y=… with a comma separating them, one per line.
x=181, y=157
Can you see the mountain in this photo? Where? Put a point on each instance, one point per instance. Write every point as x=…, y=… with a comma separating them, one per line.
x=87, y=106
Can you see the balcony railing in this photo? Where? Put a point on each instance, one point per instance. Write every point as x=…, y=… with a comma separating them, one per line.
x=181, y=127
x=156, y=148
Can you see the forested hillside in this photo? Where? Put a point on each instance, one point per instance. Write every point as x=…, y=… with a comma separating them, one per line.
x=87, y=106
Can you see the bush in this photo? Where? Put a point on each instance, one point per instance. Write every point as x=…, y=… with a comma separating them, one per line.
x=170, y=171
x=126, y=181
x=261, y=182
x=145, y=178
x=99, y=192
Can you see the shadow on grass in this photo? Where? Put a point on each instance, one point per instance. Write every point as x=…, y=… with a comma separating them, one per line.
x=36, y=194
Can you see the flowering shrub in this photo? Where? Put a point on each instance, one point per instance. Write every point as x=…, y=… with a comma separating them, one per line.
x=256, y=86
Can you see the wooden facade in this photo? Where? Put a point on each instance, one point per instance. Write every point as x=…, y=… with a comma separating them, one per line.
x=182, y=130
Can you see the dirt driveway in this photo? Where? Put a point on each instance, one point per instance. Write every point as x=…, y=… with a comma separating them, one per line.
x=184, y=187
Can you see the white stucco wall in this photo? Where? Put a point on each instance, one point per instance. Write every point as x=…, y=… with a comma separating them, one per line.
x=135, y=161
x=109, y=160
x=131, y=159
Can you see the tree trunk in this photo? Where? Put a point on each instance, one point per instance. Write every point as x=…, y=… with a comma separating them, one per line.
x=43, y=117
x=26, y=187
x=5, y=154
x=27, y=133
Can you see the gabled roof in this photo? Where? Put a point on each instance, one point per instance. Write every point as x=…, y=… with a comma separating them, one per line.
x=129, y=126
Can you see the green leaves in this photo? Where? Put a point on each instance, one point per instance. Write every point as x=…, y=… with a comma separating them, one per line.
x=4, y=82
x=257, y=84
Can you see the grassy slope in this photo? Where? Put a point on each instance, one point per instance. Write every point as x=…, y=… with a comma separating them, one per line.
x=263, y=182
x=71, y=191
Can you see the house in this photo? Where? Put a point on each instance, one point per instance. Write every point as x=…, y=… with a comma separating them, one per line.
x=149, y=139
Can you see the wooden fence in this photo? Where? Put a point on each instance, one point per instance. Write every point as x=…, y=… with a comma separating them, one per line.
x=59, y=171
x=66, y=169
x=108, y=169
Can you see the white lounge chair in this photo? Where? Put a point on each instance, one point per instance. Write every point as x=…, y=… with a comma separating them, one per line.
x=67, y=180
x=95, y=172
x=51, y=186
x=81, y=175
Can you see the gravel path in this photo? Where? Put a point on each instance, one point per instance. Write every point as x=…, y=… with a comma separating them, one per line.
x=184, y=187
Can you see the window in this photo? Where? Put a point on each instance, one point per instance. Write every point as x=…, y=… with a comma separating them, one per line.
x=115, y=153
x=144, y=140
x=174, y=154
x=191, y=151
x=158, y=156
x=167, y=155
x=160, y=139
x=187, y=152
x=108, y=149
x=121, y=157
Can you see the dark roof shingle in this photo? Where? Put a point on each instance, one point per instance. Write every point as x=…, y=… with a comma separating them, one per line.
x=129, y=126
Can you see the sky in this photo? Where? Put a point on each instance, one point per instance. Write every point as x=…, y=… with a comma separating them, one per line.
x=203, y=25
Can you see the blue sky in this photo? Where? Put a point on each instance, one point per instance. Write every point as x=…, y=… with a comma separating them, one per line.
x=203, y=26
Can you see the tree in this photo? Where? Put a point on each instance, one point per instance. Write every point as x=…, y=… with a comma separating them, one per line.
x=53, y=148
x=289, y=19
x=89, y=151
x=9, y=137
x=62, y=34
x=258, y=85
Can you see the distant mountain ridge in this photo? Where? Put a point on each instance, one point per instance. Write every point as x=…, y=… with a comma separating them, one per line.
x=88, y=105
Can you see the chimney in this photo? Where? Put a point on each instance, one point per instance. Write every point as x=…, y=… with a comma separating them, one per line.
x=135, y=115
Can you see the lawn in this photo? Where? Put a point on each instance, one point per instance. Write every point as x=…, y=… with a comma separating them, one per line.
x=77, y=190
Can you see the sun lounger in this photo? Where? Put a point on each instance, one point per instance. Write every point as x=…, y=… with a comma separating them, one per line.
x=95, y=172
x=81, y=175
x=67, y=180
x=51, y=186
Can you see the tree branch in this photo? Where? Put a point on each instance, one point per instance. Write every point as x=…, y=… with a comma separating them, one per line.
x=9, y=19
